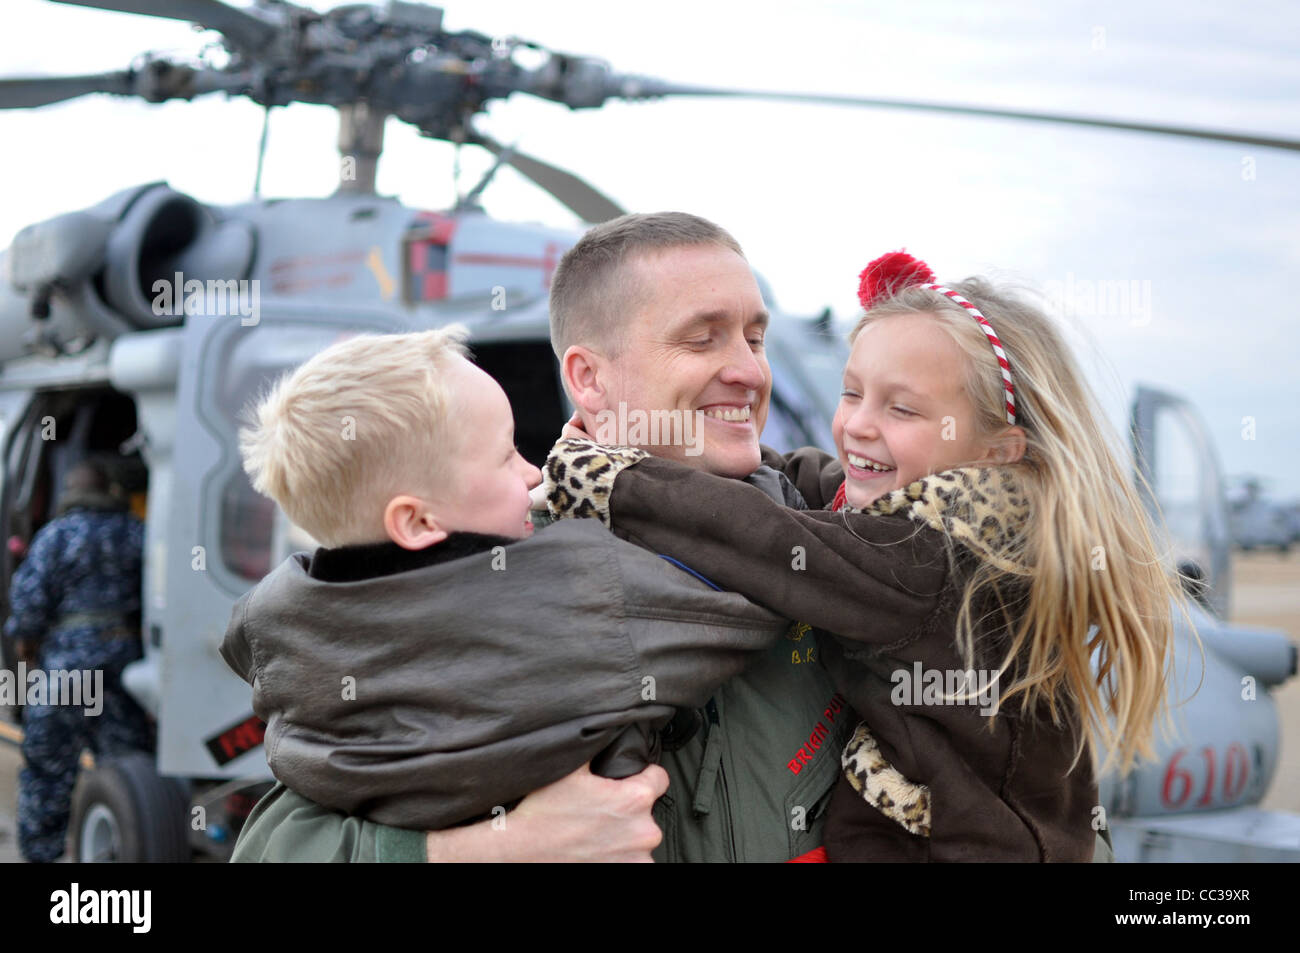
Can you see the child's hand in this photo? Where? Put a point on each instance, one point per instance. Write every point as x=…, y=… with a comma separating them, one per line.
x=579, y=477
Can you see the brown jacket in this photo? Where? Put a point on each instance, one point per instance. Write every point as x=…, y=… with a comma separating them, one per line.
x=425, y=689
x=923, y=779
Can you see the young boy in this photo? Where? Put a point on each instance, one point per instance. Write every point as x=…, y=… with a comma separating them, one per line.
x=431, y=664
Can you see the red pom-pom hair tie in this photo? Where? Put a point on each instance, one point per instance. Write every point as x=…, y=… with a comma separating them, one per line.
x=889, y=274
x=896, y=270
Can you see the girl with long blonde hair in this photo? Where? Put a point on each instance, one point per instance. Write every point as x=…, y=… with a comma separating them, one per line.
x=985, y=583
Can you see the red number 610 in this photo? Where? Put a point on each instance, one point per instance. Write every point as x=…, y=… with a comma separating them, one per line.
x=1177, y=787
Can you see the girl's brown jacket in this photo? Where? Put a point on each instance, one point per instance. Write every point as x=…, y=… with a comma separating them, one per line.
x=926, y=778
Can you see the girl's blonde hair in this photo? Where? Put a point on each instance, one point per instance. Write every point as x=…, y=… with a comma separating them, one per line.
x=1091, y=569
x=361, y=422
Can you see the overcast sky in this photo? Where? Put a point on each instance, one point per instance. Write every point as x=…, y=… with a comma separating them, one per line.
x=1208, y=236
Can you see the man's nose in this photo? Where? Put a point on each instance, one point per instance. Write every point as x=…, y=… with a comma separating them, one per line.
x=743, y=367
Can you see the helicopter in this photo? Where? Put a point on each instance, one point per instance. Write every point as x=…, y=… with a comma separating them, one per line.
x=1258, y=522
x=145, y=324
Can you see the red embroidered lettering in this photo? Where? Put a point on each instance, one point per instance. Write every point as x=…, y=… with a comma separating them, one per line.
x=806, y=752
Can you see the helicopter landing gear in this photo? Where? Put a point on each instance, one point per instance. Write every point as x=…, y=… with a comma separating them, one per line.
x=124, y=812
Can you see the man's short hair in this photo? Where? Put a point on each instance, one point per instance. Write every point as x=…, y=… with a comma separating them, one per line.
x=361, y=422
x=592, y=291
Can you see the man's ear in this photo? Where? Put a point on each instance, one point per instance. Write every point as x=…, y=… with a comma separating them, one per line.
x=410, y=523
x=584, y=373
x=1007, y=447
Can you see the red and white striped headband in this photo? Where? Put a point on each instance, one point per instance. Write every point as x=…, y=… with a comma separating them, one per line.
x=896, y=270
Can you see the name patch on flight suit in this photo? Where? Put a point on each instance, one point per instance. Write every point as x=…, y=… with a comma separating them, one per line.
x=808, y=750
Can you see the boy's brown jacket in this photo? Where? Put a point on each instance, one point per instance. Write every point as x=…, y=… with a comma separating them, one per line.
x=925, y=781
x=428, y=697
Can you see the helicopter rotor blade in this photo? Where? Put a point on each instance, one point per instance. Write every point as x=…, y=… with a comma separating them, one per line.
x=580, y=197
x=244, y=30
x=644, y=88
x=23, y=92
x=157, y=82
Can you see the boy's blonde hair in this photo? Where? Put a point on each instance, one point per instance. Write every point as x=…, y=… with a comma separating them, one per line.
x=361, y=422
x=1081, y=496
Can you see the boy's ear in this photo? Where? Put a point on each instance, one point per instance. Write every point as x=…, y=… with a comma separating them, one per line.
x=411, y=524
x=584, y=372
x=1007, y=447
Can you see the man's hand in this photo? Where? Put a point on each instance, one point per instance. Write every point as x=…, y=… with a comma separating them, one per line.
x=576, y=819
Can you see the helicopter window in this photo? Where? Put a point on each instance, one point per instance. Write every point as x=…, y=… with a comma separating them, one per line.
x=248, y=521
x=1176, y=470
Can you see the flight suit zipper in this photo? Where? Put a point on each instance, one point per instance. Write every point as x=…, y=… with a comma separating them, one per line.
x=712, y=774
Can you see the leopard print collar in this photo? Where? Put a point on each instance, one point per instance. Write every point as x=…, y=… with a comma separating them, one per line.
x=983, y=508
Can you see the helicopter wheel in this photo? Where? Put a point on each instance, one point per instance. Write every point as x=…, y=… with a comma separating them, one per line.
x=125, y=813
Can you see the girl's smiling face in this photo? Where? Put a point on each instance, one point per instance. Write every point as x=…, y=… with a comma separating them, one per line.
x=904, y=412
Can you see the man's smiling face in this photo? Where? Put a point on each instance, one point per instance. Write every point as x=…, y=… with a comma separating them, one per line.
x=694, y=342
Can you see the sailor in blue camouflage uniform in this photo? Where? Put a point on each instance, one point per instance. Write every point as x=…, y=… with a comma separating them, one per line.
x=74, y=605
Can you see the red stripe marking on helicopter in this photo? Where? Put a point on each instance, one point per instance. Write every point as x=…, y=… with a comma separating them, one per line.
x=519, y=261
x=441, y=227
x=316, y=261
x=547, y=262
x=286, y=287
x=435, y=285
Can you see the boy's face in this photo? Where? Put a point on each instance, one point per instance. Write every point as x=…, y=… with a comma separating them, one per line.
x=487, y=490
x=904, y=412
